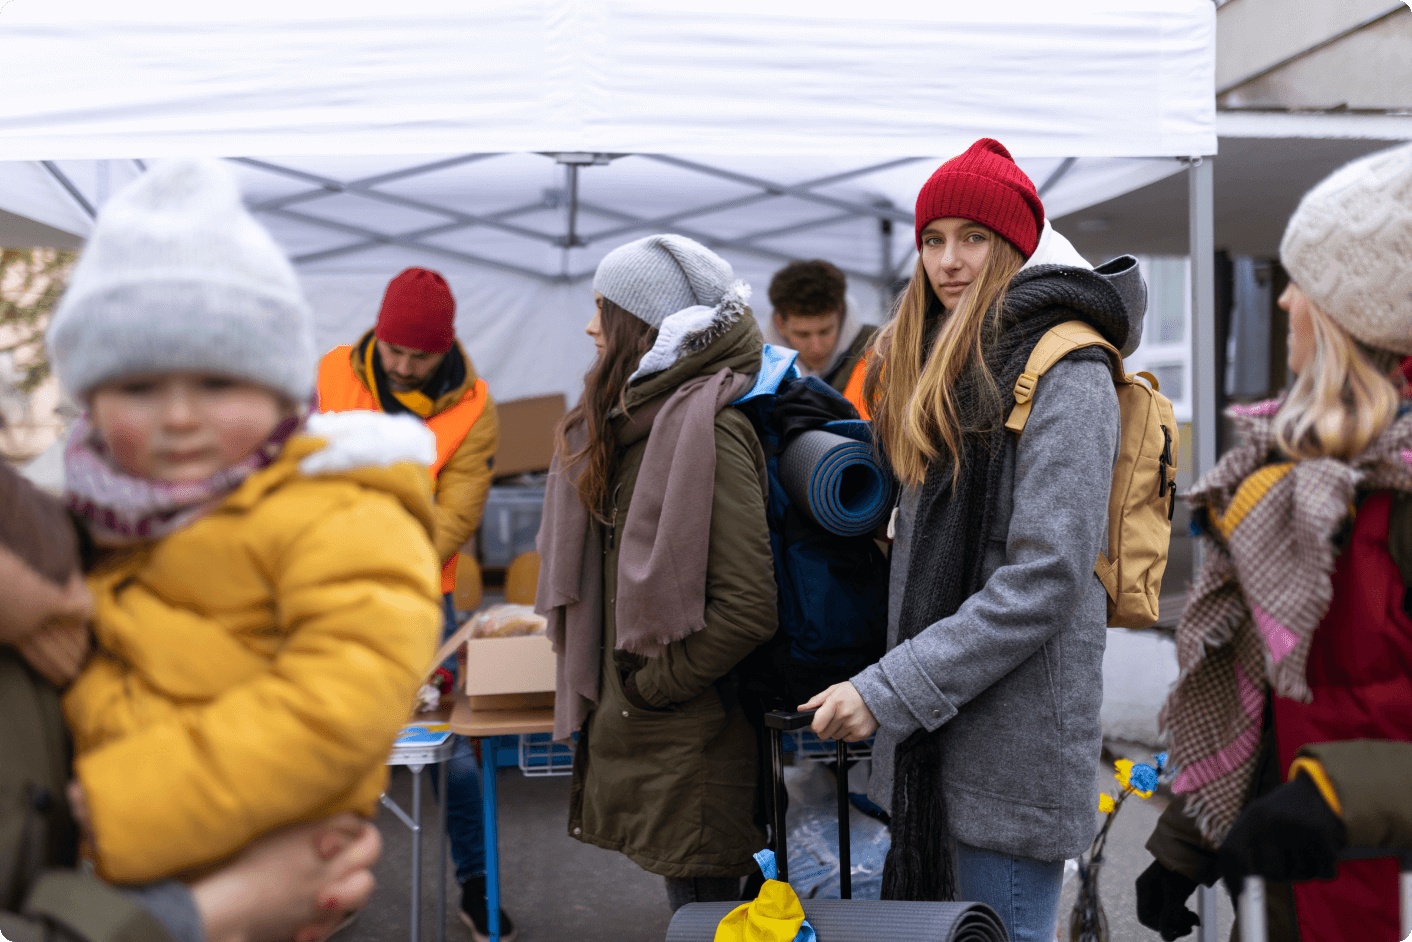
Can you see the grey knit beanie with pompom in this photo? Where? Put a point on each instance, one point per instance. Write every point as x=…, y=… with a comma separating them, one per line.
x=659, y=275
x=177, y=276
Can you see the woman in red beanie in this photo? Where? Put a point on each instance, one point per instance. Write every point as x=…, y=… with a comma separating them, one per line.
x=986, y=705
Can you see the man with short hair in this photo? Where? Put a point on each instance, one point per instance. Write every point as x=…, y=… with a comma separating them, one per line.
x=812, y=314
x=411, y=362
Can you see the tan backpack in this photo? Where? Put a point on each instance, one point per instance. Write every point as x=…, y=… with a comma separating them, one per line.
x=1144, y=490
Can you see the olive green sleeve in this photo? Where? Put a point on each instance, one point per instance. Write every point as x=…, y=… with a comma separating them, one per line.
x=1177, y=844
x=79, y=907
x=1373, y=778
x=740, y=576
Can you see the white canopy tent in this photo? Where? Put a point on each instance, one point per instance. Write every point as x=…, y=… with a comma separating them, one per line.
x=511, y=146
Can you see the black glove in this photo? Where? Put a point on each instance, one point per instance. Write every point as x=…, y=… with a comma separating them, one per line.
x=1161, y=902
x=1288, y=835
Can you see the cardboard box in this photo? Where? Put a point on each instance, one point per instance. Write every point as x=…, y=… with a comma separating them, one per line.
x=527, y=433
x=497, y=666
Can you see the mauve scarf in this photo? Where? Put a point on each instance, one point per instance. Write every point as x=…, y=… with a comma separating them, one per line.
x=119, y=508
x=661, y=591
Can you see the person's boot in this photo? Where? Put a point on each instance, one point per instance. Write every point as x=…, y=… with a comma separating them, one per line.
x=474, y=914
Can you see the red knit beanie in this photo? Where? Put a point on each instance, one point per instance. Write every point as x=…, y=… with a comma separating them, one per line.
x=418, y=312
x=984, y=186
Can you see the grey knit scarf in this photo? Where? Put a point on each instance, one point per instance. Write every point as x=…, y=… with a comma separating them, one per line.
x=949, y=534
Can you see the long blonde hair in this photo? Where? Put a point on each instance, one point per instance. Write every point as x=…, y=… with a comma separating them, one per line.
x=911, y=392
x=1343, y=399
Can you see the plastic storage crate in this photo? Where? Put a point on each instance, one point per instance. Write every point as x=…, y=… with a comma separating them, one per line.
x=540, y=755
x=510, y=524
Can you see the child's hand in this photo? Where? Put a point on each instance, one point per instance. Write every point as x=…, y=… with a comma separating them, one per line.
x=842, y=714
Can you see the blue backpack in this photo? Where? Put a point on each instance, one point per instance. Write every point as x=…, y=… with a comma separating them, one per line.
x=832, y=589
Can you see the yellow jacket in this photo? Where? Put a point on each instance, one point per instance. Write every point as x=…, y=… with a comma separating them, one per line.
x=464, y=482
x=252, y=669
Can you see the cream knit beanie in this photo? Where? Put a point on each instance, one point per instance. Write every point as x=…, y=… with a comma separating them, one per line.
x=1349, y=248
x=178, y=276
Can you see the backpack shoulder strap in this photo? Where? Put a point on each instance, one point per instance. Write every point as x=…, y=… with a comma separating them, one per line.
x=1057, y=343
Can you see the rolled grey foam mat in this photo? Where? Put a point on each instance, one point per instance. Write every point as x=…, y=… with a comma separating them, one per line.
x=837, y=481
x=862, y=920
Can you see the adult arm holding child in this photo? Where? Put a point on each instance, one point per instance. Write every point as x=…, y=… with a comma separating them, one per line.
x=296, y=883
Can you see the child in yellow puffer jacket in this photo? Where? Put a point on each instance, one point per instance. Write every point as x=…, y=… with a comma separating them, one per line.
x=266, y=589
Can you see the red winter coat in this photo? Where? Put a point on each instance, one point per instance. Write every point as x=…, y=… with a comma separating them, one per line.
x=1360, y=672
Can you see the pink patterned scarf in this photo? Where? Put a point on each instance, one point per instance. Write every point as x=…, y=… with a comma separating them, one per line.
x=1268, y=537
x=119, y=509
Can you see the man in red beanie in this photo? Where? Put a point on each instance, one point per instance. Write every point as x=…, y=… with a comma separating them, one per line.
x=411, y=362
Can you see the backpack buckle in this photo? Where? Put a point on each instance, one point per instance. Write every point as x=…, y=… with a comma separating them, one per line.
x=1024, y=387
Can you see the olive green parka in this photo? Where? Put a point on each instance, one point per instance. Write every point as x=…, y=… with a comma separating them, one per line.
x=667, y=775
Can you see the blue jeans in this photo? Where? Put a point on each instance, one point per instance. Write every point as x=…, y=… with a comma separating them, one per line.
x=1024, y=892
x=465, y=824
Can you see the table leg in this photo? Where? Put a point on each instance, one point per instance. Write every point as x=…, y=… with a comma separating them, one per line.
x=489, y=764
x=416, y=852
x=441, y=870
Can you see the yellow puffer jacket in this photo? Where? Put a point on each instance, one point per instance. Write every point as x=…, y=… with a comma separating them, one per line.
x=252, y=669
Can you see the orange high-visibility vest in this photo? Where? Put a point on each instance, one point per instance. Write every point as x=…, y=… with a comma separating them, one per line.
x=853, y=392
x=340, y=390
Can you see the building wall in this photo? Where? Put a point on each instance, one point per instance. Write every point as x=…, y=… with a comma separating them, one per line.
x=1314, y=54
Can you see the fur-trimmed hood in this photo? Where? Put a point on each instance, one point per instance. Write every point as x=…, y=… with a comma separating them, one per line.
x=730, y=341
x=691, y=330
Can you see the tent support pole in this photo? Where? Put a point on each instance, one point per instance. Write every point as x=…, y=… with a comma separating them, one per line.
x=705, y=238
x=384, y=238
x=571, y=237
x=1060, y=172
x=1202, y=235
x=670, y=220
x=781, y=189
x=69, y=187
x=885, y=268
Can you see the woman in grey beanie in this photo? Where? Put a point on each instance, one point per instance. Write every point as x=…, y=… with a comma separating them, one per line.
x=657, y=576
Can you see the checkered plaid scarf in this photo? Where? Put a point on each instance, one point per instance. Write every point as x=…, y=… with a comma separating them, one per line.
x=1269, y=531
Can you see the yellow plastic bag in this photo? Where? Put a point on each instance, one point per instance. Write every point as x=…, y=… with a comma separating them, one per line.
x=774, y=916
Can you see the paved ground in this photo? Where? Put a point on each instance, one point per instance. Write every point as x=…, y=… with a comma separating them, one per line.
x=555, y=887
x=558, y=889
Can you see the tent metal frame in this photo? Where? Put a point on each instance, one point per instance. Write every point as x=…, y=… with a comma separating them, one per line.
x=1200, y=220
x=576, y=208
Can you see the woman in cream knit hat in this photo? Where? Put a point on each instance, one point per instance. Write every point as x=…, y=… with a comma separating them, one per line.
x=1291, y=725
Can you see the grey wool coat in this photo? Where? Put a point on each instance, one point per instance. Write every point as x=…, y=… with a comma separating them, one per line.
x=1015, y=677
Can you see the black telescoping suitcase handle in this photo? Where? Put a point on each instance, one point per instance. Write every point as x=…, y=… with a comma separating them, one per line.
x=779, y=722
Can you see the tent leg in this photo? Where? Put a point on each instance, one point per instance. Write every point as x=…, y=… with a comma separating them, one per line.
x=885, y=269
x=1202, y=236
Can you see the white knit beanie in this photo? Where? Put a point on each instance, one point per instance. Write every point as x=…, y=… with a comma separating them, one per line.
x=178, y=276
x=1349, y=248
x=659, y=275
